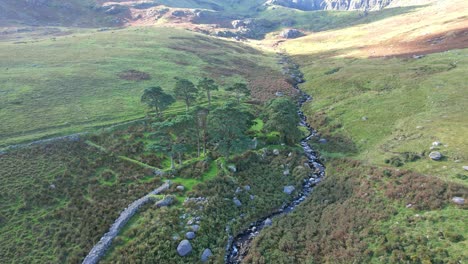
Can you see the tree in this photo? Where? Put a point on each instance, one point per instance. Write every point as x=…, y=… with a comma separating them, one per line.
x=156, y=98
x=239, y=90
x=173, y=137
x=201, y=118
x=207, y=85
x=185, y=90
x=227, y=125
x=283, y=118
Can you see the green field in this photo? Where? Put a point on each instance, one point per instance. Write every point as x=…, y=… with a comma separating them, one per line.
x=68, y=84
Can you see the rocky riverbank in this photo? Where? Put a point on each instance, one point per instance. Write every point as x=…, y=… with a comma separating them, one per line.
x=238, y=246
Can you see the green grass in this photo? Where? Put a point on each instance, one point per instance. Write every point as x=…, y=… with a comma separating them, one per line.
x=415, y=103
x=62, y=85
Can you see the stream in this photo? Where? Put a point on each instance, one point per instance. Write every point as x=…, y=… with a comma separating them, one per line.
x=238, y=246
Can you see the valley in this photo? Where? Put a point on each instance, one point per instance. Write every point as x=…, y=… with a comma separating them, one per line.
x=380, y=88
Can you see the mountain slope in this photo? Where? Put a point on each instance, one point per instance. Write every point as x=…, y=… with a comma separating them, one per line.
x=343, y=5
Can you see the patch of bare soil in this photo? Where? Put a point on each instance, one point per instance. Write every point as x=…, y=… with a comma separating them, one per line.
x=134, y=75
x=432, y=43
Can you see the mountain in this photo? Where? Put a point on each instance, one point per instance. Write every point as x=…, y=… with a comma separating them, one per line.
x=344, y=4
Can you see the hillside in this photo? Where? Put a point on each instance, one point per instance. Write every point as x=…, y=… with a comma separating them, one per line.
x=386, y=95
x=72, y=83
x=233, y=131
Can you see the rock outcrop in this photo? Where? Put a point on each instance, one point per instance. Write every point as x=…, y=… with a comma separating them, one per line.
x=333, y=4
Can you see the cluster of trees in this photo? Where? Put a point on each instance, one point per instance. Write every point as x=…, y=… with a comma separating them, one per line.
x=223, y=128
x=185, y=90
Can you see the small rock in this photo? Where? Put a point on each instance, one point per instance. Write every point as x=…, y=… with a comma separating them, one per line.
x=247, y=187
x=458, y=200
x=232, y=168
x=175, y=237
x=238, y=190
x=290, y=154
x=364, y=118
x=195, y=228
x=279, y=94
x=435, y=155
x=409, y=205
x=276, y=152
x=190, y=235
x=286, y=172
x=465, y=168
x=419, y=127
x=237, y=202
x=252, y=197
x=288, y=189
x=184, y=248
x=52, y=187
x=268, y=222
x=436, y=143
x=180, y=188
x=206, y=255
x=322, y=141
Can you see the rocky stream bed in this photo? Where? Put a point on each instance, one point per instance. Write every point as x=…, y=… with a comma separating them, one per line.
x=238, y=246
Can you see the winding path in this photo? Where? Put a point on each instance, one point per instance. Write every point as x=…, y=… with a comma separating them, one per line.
x=238, y=247
x=99, y=250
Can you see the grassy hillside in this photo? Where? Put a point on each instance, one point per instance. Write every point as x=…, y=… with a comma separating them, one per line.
x=71, y=83
x=383, y=93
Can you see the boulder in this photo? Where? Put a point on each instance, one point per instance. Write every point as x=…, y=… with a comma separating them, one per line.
x=435, y=155
x=206, y=255
x=184, y=248
x=322, y=141
x=195, y=228
x=465, y=168
x=190, y=235
x=268, y=222
x=237, y=202
x=180, y=188
x=276, y=152
x=291, y=33
x=279, y=94
x=247, y=187
x=232, y=168
x=458, y=200
x=288, y=189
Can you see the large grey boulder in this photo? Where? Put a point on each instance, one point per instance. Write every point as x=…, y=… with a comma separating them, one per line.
x=288, y=189
x=435, y=155
x=206, y=255
x=184, y=248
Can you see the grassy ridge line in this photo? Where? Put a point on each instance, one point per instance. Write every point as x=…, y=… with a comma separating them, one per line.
x=73, y=79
